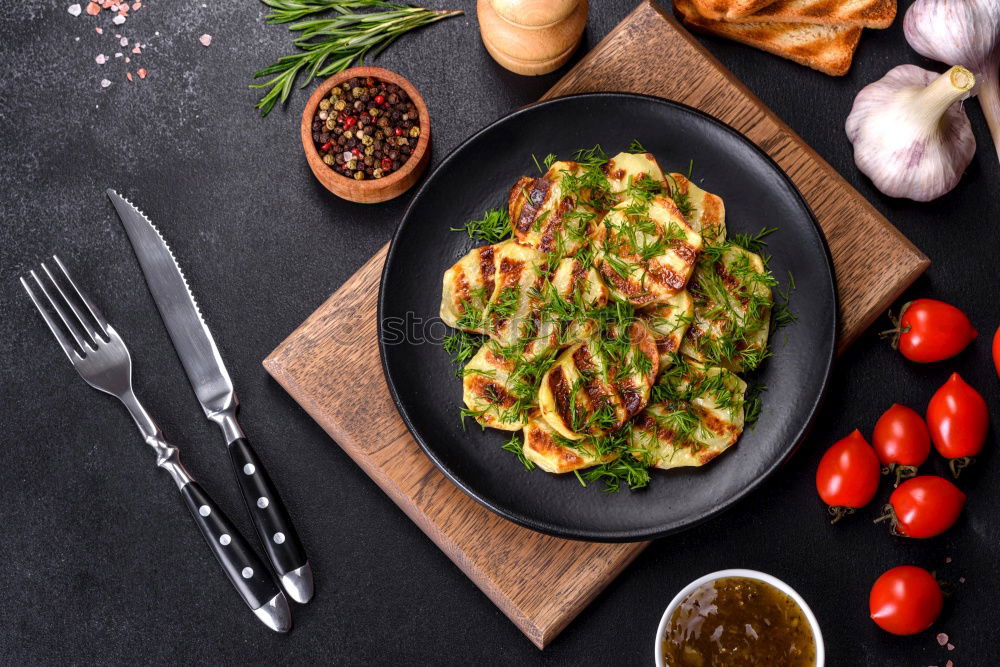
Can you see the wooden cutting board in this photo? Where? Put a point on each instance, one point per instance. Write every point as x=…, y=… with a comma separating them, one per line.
x=331, y=367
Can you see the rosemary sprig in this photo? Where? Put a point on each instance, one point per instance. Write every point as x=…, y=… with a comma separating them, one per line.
x=331, y=45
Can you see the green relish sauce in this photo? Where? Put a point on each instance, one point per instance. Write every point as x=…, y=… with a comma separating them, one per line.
x=738, y=621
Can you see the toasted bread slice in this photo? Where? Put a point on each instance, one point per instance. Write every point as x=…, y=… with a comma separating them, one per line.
x=727, y=10
x=827, y=48
x=876, y=14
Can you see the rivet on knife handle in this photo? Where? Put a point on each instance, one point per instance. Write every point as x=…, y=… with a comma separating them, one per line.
x=271, y=520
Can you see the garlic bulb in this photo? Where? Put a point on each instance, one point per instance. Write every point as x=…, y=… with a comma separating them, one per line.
x=911, y=136
x=965, y=32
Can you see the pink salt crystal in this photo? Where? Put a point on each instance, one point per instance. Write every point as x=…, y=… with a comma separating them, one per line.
x=124, y=41
x=117, y=36
x=961, y=580
x=949, y=664
x=142, y=72
x=128, y=75
x=105, y=83
x=93, y=9
x=951, y=647
x=136, y=49
x=948, y=559
x=205, y=40
x=101, y=59
x=127, y=59
x=118, y=55
x=99, y=31
x=942, y=638
x=75, y=10
x=118, y=20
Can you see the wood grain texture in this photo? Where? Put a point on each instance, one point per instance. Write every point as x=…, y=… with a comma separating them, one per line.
x=330, y=365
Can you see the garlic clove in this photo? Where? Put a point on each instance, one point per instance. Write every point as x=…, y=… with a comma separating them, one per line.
x=910, y=134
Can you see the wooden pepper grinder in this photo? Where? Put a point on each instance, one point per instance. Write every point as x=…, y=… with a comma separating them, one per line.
x=531, y=37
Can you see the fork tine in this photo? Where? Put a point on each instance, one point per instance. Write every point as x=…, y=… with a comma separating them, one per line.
x=85, y=323
x=66, y=319
x=94, y=312
x=64, y=342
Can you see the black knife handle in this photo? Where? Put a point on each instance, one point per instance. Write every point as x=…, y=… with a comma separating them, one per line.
x=267, y=510
x=244, y=568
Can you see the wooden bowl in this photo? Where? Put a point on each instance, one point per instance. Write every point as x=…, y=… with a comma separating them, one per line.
x=369, y=191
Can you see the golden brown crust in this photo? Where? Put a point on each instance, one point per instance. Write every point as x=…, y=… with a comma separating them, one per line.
x=721, y=10
x=826, y=48
x=877, y=14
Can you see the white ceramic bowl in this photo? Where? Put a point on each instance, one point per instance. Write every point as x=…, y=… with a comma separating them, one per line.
x=746, y=574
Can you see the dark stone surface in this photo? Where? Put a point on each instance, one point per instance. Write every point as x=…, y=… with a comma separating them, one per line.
x=101, y=562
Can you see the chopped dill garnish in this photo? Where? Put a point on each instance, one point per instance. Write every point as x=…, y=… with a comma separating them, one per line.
x=636, y=147
x=493, y=227
x=515, y=446
x=462, y=346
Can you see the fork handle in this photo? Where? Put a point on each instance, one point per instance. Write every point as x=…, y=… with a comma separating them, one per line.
x=271, y=520
x=248, y=574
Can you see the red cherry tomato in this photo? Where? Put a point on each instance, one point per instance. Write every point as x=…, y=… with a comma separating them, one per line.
x=905, y=600
x=924, y=506
x=958, y=420
x=901, y=441
x=848, y=474
x=930, y=330
x=996, y=350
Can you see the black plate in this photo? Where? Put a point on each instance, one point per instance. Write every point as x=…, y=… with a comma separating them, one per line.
x=477, y=176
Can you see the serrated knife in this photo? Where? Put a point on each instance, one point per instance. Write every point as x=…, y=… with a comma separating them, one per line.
x=214, y=389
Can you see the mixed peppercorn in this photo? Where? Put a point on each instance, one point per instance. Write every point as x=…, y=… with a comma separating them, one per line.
x=366, y=128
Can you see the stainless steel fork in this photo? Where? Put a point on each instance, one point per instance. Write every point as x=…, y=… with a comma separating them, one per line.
x=99, y=355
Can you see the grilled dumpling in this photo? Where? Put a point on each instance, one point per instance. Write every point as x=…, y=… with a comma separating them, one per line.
x=668, y=322
x=633, y=171
x=579, y=284
x=544, y=214
x=468, y=286
x=552, y=453
x=703, y=418
x=732, y=310
x=488, y=391
x=646, y=253
x=514, y=301
x=596, y=385
x=707, y=212
x=554, y=321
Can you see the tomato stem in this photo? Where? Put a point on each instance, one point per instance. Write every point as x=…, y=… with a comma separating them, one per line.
x=889, y=514
x=839, y=513
x=897, y=330
x=958, y=465
x=904, y=472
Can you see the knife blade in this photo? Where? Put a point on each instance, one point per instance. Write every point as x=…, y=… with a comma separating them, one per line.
x=212, y=385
